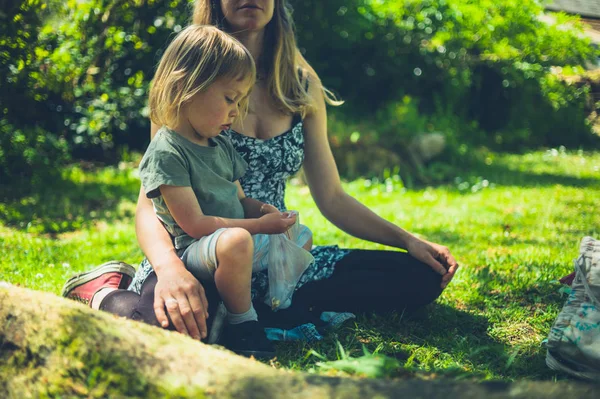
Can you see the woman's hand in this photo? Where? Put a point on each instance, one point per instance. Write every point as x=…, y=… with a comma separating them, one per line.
x=436, y=256
x=183, y=296
x=276, y=222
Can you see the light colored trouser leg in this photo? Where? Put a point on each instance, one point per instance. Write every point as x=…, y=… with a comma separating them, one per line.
x=200, y=258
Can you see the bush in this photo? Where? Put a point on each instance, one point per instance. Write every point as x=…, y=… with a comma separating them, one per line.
x=31, y=144
x=29, y=152
x=485, y=61
x=104, y=56
x=81, y=69
x=385, y=144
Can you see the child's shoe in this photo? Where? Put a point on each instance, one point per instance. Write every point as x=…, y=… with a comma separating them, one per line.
x=248, y=339
x=83, y=286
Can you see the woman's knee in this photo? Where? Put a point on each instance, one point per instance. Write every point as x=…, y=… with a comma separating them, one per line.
x=430, y=287
x=235, y=245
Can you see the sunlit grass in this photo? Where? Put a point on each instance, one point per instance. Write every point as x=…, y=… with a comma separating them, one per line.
x=514, y=223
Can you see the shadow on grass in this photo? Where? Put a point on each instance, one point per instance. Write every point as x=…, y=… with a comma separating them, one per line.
x=442, y=341
x=458, y=344
x=71, y=202
x=507, y=176
x=523, y=304
x=495, y=333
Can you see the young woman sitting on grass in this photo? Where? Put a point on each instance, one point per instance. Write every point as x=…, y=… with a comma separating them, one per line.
x=190, y=172
x=285, y=129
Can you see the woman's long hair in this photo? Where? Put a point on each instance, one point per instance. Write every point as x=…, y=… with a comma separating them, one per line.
x=281, y=61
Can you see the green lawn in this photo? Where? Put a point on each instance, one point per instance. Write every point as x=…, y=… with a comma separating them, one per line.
x=514, y=223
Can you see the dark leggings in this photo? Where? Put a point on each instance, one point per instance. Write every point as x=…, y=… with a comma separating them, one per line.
x=364, y=281
x=140, y=306
x=132, y=305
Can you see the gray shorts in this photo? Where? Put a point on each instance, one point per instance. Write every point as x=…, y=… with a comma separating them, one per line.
x=200, y=258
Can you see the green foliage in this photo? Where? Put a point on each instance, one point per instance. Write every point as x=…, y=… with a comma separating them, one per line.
x=105, y=53
x=30, y=139
x=380, y=146
x=77, y=73
x=372, y=365
x=484, y=61
x=29, y=151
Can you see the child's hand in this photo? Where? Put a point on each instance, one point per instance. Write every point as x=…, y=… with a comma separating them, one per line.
x=268, y=208
x=276, y=223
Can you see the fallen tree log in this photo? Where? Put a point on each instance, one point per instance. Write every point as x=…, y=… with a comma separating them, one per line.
x=52, y=347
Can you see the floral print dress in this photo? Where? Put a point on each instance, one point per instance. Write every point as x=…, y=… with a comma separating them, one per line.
x=270, y=163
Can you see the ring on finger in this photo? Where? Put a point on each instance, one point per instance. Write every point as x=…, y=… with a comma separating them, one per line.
x=171, y=300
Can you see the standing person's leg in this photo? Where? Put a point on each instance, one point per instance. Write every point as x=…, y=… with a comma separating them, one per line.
x=372, y=281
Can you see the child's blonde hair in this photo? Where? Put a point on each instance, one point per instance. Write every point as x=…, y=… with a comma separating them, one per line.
x=197, y=56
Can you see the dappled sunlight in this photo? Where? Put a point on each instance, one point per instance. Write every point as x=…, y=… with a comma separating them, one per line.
x=513, y=239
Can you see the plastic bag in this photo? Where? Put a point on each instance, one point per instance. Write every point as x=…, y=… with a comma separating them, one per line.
x=262, y=244
x=287, y=261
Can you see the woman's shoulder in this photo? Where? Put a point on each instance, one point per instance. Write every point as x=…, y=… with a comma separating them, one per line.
x=305, y=70
x=312, y=79
x=308, y=77
x=311, y=74
x=314, y=88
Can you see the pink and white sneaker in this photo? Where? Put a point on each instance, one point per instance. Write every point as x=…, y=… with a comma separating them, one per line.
x=83, y=286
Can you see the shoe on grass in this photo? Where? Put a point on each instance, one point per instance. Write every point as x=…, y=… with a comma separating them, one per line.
x=83, y=286
x=248, y=339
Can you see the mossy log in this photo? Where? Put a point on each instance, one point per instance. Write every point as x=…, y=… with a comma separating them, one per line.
x=52, y=347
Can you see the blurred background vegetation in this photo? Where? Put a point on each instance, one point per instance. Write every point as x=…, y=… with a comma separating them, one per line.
x=74, y=78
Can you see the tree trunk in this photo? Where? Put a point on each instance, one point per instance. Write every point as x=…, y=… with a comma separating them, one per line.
x=52, y=347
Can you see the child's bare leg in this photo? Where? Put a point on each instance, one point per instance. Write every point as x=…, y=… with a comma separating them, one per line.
x=244, y=334
x=234, y=273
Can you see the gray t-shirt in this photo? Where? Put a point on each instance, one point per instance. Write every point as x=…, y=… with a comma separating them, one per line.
x=211, y=171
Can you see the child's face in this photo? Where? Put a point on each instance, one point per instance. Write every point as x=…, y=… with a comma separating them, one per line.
x=215, y=109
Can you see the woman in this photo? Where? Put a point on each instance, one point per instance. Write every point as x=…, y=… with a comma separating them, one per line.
x=286, y=127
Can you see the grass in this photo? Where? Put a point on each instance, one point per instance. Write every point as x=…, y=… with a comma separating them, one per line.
x=514, y=223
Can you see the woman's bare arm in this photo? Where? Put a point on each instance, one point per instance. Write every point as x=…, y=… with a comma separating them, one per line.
x=153, y=238
x=336, y=205
x=324, y=182
x=177, y=290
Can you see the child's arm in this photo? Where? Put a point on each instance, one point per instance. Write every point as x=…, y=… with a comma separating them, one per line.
x=184, y=207
x=254, y=208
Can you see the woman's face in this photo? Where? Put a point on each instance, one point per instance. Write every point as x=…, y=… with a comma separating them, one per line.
x=243, y=15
